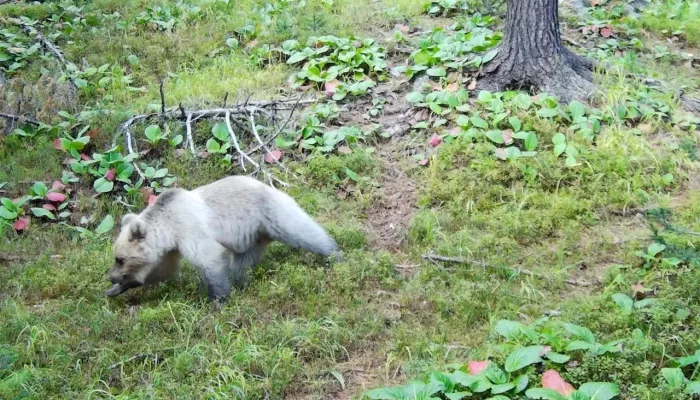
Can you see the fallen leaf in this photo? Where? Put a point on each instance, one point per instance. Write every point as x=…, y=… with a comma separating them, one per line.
x=21, y=224
x=585, y=30
x=147, y=191
x=435, y=140
x=111, y=174
x=423, y=162
x=452, y=87
x=57, y=144
x=403, y=28
x=472, y=85
x=545, y=350
x=273, y=156
x=435, y=86
x=58, y=186
x=152, y=199
x=49, y=206
x=331, y=87
x=85, y=157
x=203, y=154
x=606, y=32
x=179, y=152
x=455, y=130
x=477, y=367
x=552, y=380
x=56, y=197
x=646, y=129
x=344, y=150
x=595, y=29
x=251, y=44
x=507, y=136
x=595, y=3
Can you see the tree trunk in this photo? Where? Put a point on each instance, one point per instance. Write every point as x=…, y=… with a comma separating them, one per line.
x=532, y=57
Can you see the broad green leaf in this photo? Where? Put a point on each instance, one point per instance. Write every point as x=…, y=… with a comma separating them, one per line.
x=522, y=357
x=576, y=109
x=531, y=141
x=509, y=329
x=580, y=331
x=437, y=72
x=655, y=248
x=42, y=212
x=296, y=58
x=674, y=377
x=523, y=101
x=105, y=226
x=579, y=345
x=478, y=122
x=220, y=131
x=599, y=390
x=556, y=357
x=559, y=138
x=395, y=393
x=458, y=395
x=489, y=56
x=521, y=383
x=102, y=185
x=213, y=146
x=515, y=123
x=415, y=97
x=462, y=121
x=548, y=112
x=693, y=387
x=7, y=214
x=623, y=301
x=484, y=96
x=546, y=394
x=502, y=388
x=495, y=136
x=496, y=375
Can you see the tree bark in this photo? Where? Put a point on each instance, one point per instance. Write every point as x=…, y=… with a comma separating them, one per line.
x=532, y=57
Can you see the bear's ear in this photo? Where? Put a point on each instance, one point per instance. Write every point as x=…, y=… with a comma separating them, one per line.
x=126, y=219
x=138, y=230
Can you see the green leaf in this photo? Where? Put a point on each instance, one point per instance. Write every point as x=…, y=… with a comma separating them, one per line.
x=105, y=226
x=478, y=122
x=296, y=58
x=153, y=132
x=7, y=214
x=531, y=141
x=232, y=43
x=674, y=377
x=42, y=212
x=599, y=390
x=623, y=301
x=489, y=56
x=496, y=375
x=509, y=329
x=415, y=97
x=521, y=383
x=484, y=96
x=133, y=59
x=556, y=357
x=437, y=72
x=495, y=136
x=579, y=345
x=81, y=83
x=546, y=394
x=220, y=131
x=655, y=248
x=102, y=185
x=522, y=357
x=458, y=395
x=522, y=101
x=548, y=112
x=693, y=387
x=558, y=138
x=502, y=388
x=213, y=146
x=435, y=107
x=515, y=123
x=559, y=149
x=39, y=189
x=577, y=110
x=462, y=121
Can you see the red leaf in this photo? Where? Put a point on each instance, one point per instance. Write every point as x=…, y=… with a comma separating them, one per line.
x=452, y=87
x=435, y=140
x=203, y=154
x=501, y=153
x=56, y=197
x=545, y=350
x=606, y=32
x=252, y=44
x=456, y=130
x=472, y=85
x=49, y=206
x=21, y=224
x=552, y=380
x=585, y=30
x=147, y=191
x=507, y=136
x=331, y=87
x=403, y=28
x=111, y=174
x=57, y=144
x=477, y=367
x=273, y=156
x=423, y=162
x=58, y=186
x=595, y=3
x=152, y=199
x=595, y=28
x=85, y=157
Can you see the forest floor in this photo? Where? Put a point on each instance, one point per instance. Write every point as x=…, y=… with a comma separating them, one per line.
x=570, y=226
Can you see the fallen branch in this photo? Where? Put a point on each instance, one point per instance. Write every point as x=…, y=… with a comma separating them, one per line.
x=20, y=118
x=242, y=115
x=457, y=260
x=46, y=43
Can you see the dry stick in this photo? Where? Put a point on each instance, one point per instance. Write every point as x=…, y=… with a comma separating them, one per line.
x=435, y=257
x=235, y=143
x=20, y=118
x=279, y=130
x=251, y=118
x=162, y=98
x=44, y=42
x=188, y=126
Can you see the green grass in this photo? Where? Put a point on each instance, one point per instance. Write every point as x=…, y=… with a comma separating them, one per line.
x=383, y=316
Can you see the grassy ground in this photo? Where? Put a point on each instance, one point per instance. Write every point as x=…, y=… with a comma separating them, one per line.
x=608, y=181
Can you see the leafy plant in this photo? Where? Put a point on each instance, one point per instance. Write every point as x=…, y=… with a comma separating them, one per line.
x=675, y=379
x=627, y=304
x=586, y=341
x=221, y=142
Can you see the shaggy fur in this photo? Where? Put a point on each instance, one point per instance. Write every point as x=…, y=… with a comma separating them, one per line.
x=221, y=228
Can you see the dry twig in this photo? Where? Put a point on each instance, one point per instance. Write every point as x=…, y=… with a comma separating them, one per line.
x=19, y=118
x=434, y=257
